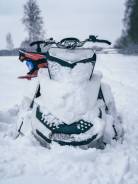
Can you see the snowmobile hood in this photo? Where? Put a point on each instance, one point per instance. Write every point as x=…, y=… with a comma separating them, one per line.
x=71, y=56
x=62, y=61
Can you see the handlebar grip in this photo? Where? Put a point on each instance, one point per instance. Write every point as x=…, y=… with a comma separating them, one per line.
x=103, y=41
x=37, y=43
x=93, y=38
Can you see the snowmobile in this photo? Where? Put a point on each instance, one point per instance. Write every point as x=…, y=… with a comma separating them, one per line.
x=75, y=107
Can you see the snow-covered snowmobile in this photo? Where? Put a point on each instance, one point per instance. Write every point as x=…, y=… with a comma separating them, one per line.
x=75, y=108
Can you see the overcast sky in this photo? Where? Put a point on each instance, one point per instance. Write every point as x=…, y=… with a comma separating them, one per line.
x=65, y=18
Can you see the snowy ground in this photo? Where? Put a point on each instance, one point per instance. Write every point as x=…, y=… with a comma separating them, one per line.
x=24, y=161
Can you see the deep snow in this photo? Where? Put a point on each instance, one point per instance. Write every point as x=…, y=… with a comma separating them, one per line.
x=24, y=161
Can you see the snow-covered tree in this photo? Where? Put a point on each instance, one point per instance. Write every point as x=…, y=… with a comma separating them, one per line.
x=9, y=41
x=33, y=21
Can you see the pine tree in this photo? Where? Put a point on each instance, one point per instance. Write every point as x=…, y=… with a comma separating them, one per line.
x=129, y=35
x=33, y=21
x=131, y=20
x=9, y=42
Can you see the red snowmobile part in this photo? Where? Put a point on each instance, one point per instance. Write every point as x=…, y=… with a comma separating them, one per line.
x=43, y=65
x=28, y=77
x=34, y=56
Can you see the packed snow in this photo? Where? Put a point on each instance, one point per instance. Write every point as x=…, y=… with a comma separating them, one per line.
x=76, y=96
x=24, y=160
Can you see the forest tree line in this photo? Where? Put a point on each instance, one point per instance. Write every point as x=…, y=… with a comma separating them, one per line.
x=32, y=20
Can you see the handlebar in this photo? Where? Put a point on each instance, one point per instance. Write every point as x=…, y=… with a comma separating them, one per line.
x=71, y=43
x=68, y=43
